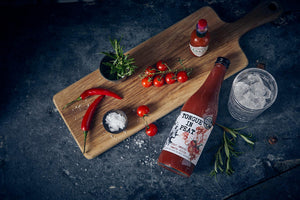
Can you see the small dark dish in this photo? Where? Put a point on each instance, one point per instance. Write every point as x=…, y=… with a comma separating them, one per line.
x=105, y=71
x=116, y=66
x=106, y=126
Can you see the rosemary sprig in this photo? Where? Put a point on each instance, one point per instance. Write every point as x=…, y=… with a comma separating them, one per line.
x=226, y=151
x=120, y=64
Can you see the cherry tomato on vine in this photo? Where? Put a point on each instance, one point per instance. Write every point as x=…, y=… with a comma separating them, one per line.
x=151, y=129
x=147, y=82
x=149, y=71
x=182, y=76
x=158, y=81
x=162, y=65
x=170, y=78
x=142, y=110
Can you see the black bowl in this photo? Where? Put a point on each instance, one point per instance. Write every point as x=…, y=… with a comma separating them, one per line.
x=106, y=126
x=105, y=71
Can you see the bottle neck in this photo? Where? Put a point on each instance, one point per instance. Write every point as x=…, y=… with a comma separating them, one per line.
x=201, y=31
x=204, y=102
x=200, y=34
x=215, y=77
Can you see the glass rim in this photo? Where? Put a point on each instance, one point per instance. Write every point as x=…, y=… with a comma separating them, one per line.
x=257, y=70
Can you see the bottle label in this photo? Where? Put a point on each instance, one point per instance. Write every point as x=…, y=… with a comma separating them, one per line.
x=198, y=51
x=188, y=136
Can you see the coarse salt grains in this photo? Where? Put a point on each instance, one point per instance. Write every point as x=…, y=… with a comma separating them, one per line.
x=115, y=121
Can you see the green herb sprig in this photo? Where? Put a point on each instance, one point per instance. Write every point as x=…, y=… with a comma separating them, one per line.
x=121, y=64
x=226, y=151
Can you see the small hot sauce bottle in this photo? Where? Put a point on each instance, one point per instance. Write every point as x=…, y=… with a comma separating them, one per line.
x=199, y=39
x=193, y=126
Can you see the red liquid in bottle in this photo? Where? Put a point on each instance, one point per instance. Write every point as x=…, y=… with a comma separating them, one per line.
x=199, y=39
x=194, y=124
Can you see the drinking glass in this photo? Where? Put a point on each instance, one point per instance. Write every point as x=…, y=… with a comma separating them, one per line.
x=253, y=91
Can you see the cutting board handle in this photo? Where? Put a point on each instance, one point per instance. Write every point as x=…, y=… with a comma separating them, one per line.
x=265, y=12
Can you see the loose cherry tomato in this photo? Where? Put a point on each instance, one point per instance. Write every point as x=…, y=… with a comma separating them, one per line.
x=162, y=65
x=147, y=82
x=158, y=81
x=149, y=71
x=142, y=110
x=151, y=129
x=170, y=78
x=182, y=76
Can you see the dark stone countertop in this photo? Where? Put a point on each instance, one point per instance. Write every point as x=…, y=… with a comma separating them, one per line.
x=46, y=47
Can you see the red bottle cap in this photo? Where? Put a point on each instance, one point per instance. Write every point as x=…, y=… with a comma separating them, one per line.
x=202, y=24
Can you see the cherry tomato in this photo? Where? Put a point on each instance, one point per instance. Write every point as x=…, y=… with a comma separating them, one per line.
x=151, y=129
x=182, y=76
x=158, y=81
x=147, y=82
x=162, y=65
x=142, y=110
x=170, y=78
x=149, y=71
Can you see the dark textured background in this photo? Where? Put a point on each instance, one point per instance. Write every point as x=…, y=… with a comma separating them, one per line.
x=46, y=46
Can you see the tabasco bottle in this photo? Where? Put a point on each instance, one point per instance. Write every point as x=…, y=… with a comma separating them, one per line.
x=193, y=126
x=199, y=39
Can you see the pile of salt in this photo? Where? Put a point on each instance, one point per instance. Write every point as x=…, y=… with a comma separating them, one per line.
x=115, y=121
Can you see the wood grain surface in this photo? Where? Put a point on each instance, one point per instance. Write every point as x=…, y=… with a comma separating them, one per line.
x=168, y=45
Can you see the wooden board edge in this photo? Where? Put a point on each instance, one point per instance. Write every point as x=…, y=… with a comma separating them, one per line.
x=62, y=116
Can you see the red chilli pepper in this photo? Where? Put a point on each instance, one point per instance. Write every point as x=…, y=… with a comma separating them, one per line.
x=94, y=91
x=85, y=124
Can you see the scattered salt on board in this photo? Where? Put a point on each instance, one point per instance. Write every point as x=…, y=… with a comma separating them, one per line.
x=115, y=121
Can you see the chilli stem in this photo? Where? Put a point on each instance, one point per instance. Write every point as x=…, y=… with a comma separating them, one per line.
x=85, y=134
x=70, y=103
x=146, y=123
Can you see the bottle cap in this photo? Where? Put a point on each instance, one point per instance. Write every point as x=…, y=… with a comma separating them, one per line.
x=202, y=24
x=223, y=61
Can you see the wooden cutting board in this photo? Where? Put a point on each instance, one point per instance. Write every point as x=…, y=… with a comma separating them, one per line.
x=168, y=45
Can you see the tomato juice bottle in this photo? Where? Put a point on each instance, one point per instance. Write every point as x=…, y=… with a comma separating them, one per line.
x=199, y=39
x=193, y=126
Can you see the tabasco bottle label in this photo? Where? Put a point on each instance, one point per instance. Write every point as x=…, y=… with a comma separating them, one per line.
x=198, y=51
x=188, y=136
